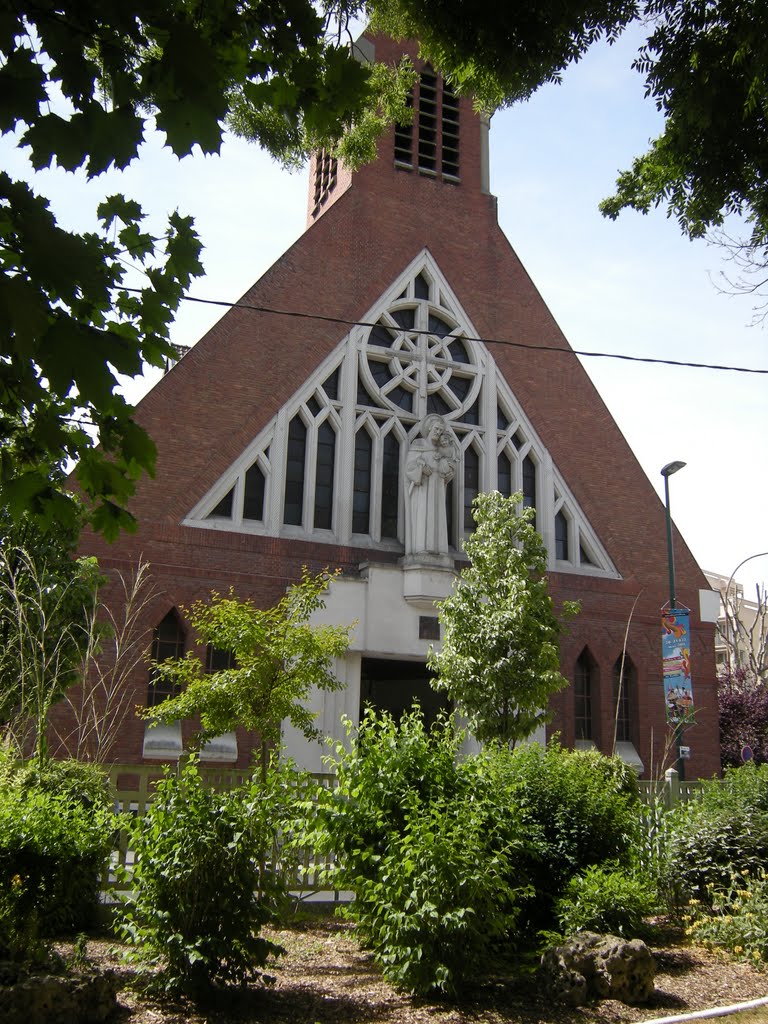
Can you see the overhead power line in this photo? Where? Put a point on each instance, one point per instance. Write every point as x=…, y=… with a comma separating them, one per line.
x=296, y=314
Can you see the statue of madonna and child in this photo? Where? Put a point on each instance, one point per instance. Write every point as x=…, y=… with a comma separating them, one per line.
x=429, y=467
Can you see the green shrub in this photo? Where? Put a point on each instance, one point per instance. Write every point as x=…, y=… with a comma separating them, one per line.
x=202, y=886
x=448, y=855
x=737, y=918
x=419, y=838
x=52, y=851
x=82, y=782
x=605, y=898
x=578, y=809
x=720, y=833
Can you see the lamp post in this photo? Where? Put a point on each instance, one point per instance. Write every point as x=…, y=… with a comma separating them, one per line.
x=667, y=471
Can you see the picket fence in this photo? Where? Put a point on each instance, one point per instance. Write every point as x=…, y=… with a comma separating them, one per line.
x=133, y=789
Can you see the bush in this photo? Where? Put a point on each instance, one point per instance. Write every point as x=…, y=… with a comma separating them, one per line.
x=419, y=839
x=605, y=898
x=722, y=832
x=738, y=919
x=52, y=851
x=577, y=808
x=203, y=887
x=81, y=782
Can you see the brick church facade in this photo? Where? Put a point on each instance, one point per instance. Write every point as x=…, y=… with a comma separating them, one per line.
x=282, y=442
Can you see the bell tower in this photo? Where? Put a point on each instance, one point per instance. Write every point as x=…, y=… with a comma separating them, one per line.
x=446, y=142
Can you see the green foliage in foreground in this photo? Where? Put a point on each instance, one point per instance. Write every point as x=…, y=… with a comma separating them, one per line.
x=721, y=832
x=450, y=856
x=605, y=898
x=427, y=851
x=55, y=835
x=737, y=917
x=579, y=808
x=203, y=884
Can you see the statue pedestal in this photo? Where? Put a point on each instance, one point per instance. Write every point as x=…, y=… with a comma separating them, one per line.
x=426, y=579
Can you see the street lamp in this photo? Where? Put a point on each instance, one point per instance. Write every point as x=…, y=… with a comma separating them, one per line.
x=666, y=472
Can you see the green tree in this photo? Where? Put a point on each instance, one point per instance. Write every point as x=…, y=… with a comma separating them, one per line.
x=277, y=657
x=499, y=659
x=80, y=84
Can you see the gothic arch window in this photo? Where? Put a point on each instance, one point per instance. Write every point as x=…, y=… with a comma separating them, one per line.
x=529, y=489
x=624, y=693
x=330, y=466
x=470, y=486
x=562, y=546
x=390, y=485
x=361, y=494
x=295, y=472
x=585, y=697
x=167, y=644
x=324, y=473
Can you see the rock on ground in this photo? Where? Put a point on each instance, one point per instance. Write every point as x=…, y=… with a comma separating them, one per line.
x=591, y=966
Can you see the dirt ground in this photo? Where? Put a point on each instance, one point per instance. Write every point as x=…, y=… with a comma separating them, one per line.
x=326, y=978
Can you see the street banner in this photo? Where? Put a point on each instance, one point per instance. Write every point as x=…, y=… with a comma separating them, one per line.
x=676, y=659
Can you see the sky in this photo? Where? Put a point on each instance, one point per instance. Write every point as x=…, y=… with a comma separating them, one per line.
x=634, y=286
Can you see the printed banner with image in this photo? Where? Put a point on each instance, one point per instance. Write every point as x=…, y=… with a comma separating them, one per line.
x=676, y=659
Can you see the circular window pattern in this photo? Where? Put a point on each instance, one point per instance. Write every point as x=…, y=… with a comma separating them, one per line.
x=416, y=360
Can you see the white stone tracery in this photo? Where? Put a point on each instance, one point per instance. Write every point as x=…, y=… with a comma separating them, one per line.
x=385, y=380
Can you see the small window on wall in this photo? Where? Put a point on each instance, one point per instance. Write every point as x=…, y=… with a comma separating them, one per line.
x=326, y=171
x=504, y=477
x=224, y=507
x=434, y=131
x=404, y=139
x=325, y=467
x=390, y=486
x=253, y=497
x=167, y=644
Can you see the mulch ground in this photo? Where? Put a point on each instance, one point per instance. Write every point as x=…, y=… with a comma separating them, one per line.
x=326, y=978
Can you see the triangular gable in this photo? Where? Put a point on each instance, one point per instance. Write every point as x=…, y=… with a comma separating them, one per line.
x=329, y=466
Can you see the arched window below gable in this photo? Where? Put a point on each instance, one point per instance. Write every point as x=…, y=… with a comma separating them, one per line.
x=585, y=690
x=624, y=690
x=167, y=643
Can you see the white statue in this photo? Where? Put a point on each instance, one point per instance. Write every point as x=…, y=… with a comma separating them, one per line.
x=429, y=468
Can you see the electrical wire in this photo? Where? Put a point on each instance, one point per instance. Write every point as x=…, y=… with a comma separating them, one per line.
x=296, y=314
